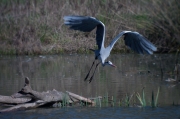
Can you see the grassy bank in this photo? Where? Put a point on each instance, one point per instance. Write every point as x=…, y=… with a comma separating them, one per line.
x=36, y=27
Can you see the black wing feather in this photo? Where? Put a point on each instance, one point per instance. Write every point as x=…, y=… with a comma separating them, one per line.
x=86, y=24
x=138, y=43
x=99, y=35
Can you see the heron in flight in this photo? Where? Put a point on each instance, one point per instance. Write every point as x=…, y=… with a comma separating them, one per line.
x=134, y=40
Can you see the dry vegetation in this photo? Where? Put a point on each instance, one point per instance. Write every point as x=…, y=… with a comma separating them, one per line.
x=36, y=26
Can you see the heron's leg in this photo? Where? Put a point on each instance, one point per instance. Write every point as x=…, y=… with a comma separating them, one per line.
x=94, y=72
x=89, y=70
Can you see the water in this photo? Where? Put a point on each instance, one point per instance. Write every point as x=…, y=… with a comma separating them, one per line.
x=97, y=113
x=67, y=73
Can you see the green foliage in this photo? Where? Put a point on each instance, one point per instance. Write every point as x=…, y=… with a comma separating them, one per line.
x=65, y=101
x=141, y=99
x=154, y=101
x=98, y=102
x=127, y=101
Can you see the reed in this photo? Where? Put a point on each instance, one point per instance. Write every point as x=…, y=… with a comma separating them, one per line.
x=98, y=102
x=154, y=102
x=154, y=99
x=141, y=99
x=107, y=101
x=127, y=100
x=65, y=101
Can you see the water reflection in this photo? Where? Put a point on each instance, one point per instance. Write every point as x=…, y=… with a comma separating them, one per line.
x=66, y=72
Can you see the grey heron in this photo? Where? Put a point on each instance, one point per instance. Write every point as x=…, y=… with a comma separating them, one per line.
x=134, y=40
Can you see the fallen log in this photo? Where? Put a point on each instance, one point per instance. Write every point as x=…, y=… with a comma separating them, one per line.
x=27, y=98
x=11, y=100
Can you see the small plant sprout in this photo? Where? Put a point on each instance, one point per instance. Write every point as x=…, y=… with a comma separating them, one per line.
x=141, y=99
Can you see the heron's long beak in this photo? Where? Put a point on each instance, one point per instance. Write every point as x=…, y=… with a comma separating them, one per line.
x=113, y=65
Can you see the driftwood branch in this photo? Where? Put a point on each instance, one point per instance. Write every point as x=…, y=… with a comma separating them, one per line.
x=23, y=106
x=11, y=100
x=27, y=98
x=78, y=97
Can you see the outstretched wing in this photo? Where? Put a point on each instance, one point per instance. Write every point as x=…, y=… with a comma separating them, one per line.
x=139, y=43
x=87, y=24
x=136, y=42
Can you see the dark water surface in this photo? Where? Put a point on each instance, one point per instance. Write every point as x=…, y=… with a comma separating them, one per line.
x=97, y=113
x=67, y=73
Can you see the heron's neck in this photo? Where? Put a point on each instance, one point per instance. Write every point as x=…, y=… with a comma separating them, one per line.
x=102, y=45
x=111, y=45
x=104, y=54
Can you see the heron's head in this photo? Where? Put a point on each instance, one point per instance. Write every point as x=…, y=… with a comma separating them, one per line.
x=109, y=63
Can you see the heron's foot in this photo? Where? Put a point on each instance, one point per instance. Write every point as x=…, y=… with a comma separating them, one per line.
x=90, y=79
x=86, y=77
